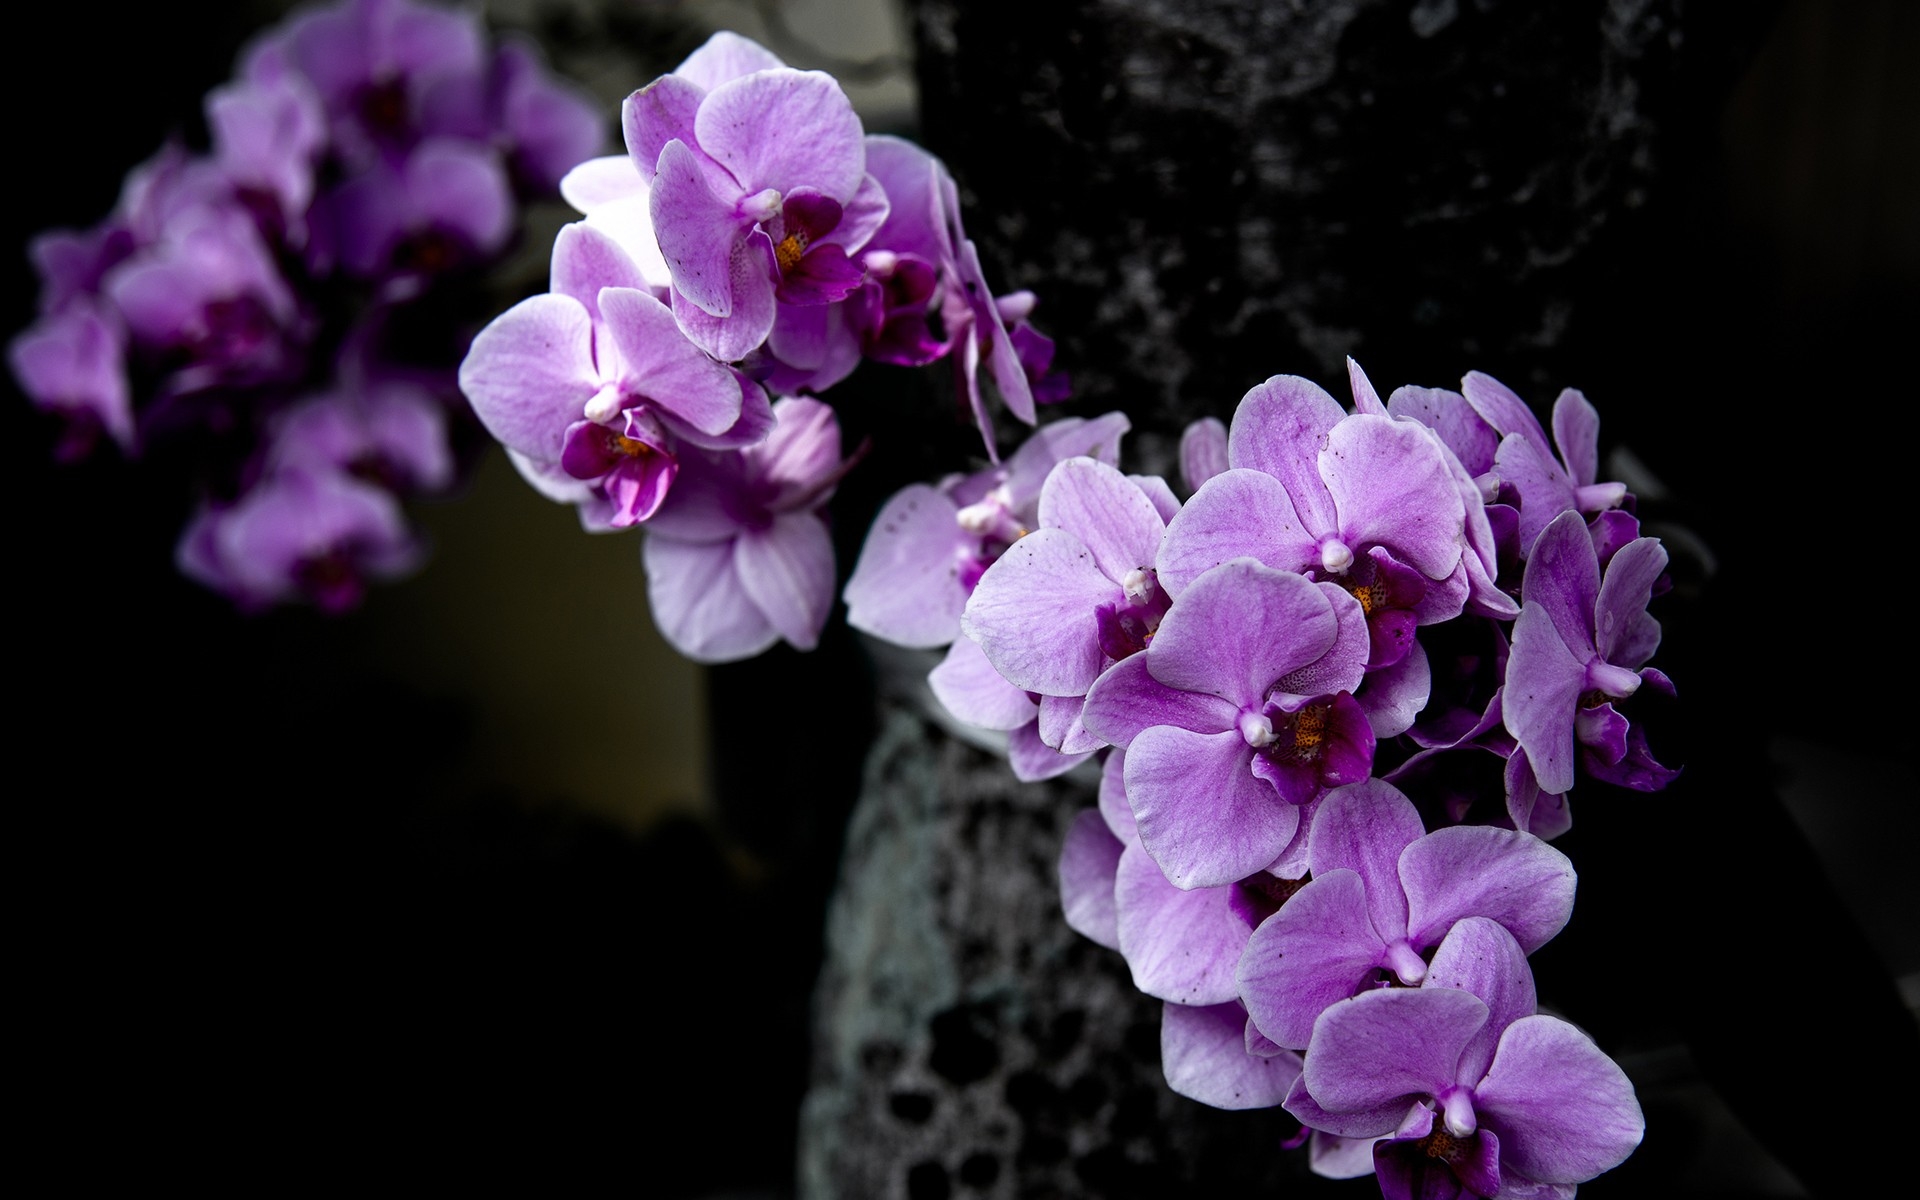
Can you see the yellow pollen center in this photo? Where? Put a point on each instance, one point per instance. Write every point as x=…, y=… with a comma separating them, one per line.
x=1368, y=600
x=789, y=250
x=1309, y=728
x=631, y=447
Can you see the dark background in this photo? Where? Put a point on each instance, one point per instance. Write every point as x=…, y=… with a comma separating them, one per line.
x=264, y=906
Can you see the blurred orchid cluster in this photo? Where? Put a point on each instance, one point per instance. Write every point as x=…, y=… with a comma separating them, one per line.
x=749, y=250
x=1342, y=693
x=240, y=309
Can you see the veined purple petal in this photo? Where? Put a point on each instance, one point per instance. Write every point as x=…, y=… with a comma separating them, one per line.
x=1576, y=431
x=1280, y=428
x=1363, y=1123
x=1089, y=858
x=659, y=113
x=586, y=260
x=1062, y=728
x=1203, y=454
x=726, y=56
x=1544, y=490
x=698, y=232
x=1180, y=945
x=817, y=138
x=1110, y=516
x=1389, y=1047
x=530, y=373
x=1506, y=412
x=1479, y=956
x=732, y=337
x=1392, y=486
x=1033, y=760
x=756, y=421
x=787, y=571
x=699, y=604
x=906, y=585
x=1236, y=514
x=1394, y=696
x=1623, y=632
x=966, y=683
x=1203, y=814
x=1317, y=951
x=663, y=367
x=1363, y=828
x=1470, y=439
x=1114, y=807
x=1070, y=437
x=1541, y=697
x=1032, y=612
x=862, y=216
x=1344, y=663
x=1240, y=627
x=1158, y=494
x=1365, y=399
x=1204, y=1055
x=1479, y=871
x=1564, y=1111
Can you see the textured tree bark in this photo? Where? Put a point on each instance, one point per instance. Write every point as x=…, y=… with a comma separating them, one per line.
x=1205, y=193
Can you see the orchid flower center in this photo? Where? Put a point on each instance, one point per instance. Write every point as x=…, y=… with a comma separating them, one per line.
x=1127, y=627
x=789, y=250
x=631, y=447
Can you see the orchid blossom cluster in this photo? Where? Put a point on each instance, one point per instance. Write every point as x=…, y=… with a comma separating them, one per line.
x=754, y=242
x=1421, y=598
x=237, y=306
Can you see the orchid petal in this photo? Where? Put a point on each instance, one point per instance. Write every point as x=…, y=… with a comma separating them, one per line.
x=1204, y=1055
x=1180, y=945
x=1089, y=857
x=1203, y=814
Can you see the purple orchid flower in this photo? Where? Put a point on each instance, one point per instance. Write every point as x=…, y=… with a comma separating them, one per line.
x=921, y=263
x=267, y=137
x=1364, y=501
x=1076, y=594
x=748, y=221
x=208, y=284
x=1547, y=486
x=72, y=362
x=390, y=432
x=371, y=63
x=592, y=377
x=1384, y=892
x=738, y=556
x=1239, y=711
x=1482, y=1096
x=929, y=546
x=1579, y=645
x=448, y=203
x=299, y=534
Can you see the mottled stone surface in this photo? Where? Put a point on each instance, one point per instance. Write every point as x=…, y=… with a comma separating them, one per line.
x=967, y=1043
